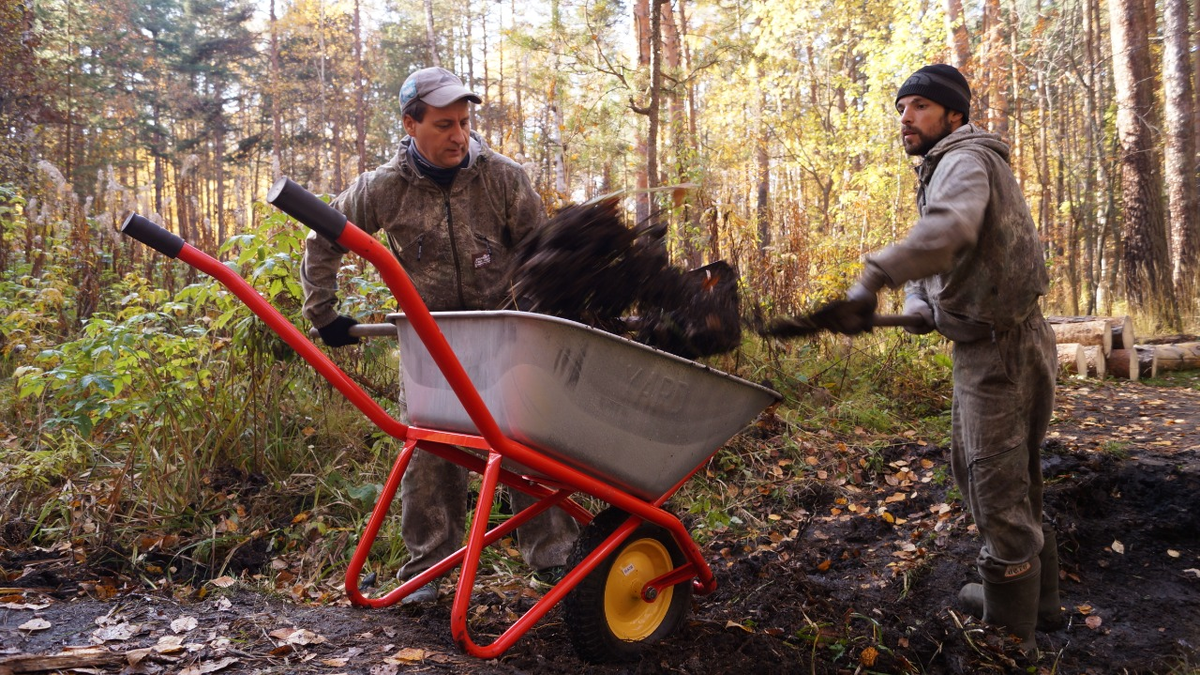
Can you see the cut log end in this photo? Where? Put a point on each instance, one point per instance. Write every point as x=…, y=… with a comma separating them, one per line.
x=1071, y=359
x=1096, y=364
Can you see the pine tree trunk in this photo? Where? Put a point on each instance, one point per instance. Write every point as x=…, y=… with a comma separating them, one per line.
x=956, y=34
x=431, y=36
x=1146, y=257
x=1181, y=153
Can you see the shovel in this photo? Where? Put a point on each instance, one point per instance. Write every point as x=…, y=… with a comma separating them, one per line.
x=824, y=320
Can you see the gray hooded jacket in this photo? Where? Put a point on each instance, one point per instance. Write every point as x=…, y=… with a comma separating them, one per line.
x=456, y=244
x=974, y=255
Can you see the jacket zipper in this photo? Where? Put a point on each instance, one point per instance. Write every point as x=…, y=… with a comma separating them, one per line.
x=462, y=301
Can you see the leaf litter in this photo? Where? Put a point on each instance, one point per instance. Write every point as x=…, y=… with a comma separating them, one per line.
x=839, y=564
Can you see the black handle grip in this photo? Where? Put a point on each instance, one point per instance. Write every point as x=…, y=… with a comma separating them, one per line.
x=152, y=235
x=304, y=206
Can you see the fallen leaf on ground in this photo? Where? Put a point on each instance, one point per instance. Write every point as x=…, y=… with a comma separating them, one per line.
x=34, y=624
x=734, y=624
x=118, y=633
x=868, y=656
x=406, y=656
x=1118, y=547
x=183, y=624
x=297, y=636
x=169, y=644
x=223, y=581
x=210, y=667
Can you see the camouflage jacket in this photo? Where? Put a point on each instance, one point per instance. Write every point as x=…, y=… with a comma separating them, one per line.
x=456, y=244
x=974, y=254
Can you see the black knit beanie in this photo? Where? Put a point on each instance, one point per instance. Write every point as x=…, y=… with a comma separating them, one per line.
x=942, y=84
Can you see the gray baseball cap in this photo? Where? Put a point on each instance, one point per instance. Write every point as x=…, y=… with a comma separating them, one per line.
x=437, y=87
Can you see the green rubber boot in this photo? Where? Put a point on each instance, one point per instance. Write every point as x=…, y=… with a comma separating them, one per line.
x=970, y=599
x=1049, y=615
x=1014, y=605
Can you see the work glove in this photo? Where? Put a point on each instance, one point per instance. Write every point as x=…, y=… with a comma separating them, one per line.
x=336, y=333
x=855, y=314
x=915, y=305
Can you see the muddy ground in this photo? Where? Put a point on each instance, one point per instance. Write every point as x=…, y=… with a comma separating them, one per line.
x=853, y=578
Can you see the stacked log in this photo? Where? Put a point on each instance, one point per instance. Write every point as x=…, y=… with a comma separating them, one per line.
x=1123, y=363
x=1178, y=356
x=1147, y=360
x=1072, y=360
x=1120, y=328
x=1096, y=362
x=1095, y=333
x=1108, y=348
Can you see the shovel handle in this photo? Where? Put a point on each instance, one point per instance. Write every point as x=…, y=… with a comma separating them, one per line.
x=912, y=320
x=364, y=330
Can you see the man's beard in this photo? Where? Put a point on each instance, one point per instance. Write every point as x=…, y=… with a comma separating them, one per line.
x=927, y=142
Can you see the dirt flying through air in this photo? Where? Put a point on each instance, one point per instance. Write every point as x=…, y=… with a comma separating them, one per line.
x=586, y=265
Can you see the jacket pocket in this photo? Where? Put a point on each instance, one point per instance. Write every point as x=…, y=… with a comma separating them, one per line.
x=488, y=263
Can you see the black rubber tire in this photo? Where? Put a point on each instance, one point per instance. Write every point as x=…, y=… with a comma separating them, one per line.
x=587, y=623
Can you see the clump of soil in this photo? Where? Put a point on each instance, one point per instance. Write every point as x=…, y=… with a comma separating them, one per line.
x=586, y=265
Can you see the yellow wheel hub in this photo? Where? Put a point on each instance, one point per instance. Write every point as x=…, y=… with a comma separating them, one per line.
x=629, y=616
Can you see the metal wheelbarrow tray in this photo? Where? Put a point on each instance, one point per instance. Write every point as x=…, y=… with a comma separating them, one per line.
x=638, y=418
x=547, y=407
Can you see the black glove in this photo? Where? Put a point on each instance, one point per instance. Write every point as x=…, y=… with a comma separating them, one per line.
x=336, y=333
x=854, y=314
x=917, y=306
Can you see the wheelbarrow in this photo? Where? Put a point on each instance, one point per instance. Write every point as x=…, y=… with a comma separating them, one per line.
x=543, y=405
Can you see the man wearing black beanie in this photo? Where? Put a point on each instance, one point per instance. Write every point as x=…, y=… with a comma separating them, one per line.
x=972, y=267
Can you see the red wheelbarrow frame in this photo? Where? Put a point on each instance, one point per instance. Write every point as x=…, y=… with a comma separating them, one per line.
x=553, y=487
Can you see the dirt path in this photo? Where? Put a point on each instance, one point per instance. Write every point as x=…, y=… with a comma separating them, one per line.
x=855, y=579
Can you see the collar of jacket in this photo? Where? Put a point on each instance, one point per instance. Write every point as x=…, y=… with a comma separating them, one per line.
x=477, y=151
x=966, y=134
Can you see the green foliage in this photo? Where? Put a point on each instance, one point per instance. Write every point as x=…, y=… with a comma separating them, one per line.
x=182, y=392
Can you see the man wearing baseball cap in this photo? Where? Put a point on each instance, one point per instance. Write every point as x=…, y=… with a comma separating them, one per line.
x=972, y=266
x=453, y=211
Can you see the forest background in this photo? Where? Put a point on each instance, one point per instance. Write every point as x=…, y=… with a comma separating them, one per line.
x=137, y=391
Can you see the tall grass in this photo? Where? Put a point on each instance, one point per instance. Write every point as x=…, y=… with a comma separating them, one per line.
x=159, y=425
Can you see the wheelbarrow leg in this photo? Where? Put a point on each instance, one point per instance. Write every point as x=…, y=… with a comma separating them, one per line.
x=382, y=506
x=477, y=541
x=470, y=564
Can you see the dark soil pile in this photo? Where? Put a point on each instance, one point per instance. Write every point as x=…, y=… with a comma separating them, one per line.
x=842, y=580
x=586, y=265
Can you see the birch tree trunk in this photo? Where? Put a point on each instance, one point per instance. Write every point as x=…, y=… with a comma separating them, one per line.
x=641, y=21
x=360, y=104
x=556, y=116
x=276, y=131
